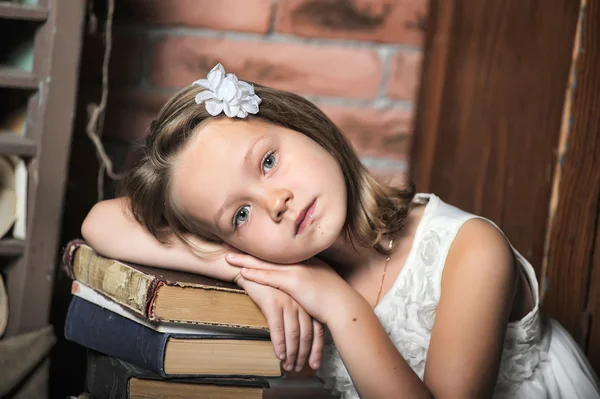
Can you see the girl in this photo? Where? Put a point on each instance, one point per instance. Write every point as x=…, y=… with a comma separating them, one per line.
x=420, y=299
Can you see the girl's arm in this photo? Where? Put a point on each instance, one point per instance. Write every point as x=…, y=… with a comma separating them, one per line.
x=113, y=232
x=465, y=350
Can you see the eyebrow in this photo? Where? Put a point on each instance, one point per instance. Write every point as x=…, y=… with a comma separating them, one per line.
x=247, y=160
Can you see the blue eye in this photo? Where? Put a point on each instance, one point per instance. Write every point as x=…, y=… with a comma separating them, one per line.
x=241, y=216
x=269, y=162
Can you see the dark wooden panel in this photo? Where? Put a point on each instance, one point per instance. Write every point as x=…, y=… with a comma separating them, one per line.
x=490, y=107
x=23, y=12
x=593, y=306
x=12, y=144
x=573, y=236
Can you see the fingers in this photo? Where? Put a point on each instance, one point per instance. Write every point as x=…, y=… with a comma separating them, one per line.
x=248, y=261
x=277, y=330
x=318, y=341
x=272, y=278
x=292, y=337
x=306, y=339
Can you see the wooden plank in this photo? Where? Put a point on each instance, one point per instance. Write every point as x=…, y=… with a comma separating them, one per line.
x=57, y=52
x=17, y=78
x=573, y=298
x=593, y=306
x=12, y=144
x=11, y=247
x=23, y=12
x=489, y=110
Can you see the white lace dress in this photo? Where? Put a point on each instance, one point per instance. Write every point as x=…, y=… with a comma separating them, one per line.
x=539, y=360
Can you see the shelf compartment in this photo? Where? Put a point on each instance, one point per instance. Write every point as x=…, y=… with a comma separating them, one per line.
x=12, y=144
x=11, y=247
x=17, y=78
x=23, y=12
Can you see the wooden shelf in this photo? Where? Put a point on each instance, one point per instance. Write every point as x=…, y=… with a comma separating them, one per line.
x=11, y=247
x=12, y=144
x=22, y=12
x=17, y=78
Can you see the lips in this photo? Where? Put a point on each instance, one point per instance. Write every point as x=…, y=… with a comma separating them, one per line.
x=305, y=217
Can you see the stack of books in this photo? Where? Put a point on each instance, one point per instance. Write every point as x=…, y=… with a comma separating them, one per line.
x=158, y=333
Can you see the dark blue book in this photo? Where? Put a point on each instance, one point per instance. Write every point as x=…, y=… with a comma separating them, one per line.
x=169, y=355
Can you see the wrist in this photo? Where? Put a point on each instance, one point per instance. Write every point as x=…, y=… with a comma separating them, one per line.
x=343, y=305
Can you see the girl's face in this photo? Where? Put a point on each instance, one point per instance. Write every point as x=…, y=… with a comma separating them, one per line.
x=266, y=190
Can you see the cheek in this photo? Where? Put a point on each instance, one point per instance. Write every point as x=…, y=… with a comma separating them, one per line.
x=272, y=247
x=259, y=239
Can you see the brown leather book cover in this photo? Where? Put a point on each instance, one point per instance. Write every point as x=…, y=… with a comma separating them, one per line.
x=137, y=288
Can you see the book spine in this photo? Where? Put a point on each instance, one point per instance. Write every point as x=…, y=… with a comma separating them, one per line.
x=104, y=331
x=118, y=281
x=106, y=377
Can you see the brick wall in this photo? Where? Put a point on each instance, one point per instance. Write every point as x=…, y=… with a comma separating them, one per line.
x=359, y=60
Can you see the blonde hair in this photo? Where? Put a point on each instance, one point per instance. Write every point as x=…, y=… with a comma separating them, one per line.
x=374, y=209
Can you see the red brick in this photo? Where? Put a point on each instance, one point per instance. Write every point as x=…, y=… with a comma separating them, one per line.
x=374, y=132
x=129, y=113
x=301, y=68
x=386, y=21
x=405, y=75
x=237, y=15
x=125, y=66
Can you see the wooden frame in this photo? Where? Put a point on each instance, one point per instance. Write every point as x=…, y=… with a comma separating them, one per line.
x=46, y=147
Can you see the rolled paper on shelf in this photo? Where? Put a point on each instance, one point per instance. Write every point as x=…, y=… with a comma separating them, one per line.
x=8, y=196
x=3, y=307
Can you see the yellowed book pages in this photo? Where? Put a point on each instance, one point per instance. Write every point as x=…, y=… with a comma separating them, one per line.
x=163, y=389
x=221, y=357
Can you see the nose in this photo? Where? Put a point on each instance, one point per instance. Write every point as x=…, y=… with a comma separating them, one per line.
x=276, y=202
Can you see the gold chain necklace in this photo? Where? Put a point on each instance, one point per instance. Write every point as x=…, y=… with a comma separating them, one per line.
x=391, y=244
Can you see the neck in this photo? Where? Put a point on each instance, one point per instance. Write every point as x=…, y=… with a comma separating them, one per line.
x=343, y=257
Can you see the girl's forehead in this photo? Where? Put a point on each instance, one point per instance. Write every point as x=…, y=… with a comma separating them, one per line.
x=233, y=128
x=210, y=166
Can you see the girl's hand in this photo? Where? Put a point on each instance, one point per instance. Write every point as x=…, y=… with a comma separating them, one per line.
x=295, y=335
x=313, y=284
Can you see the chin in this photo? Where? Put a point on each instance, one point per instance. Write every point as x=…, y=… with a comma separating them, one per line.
x=289, y=257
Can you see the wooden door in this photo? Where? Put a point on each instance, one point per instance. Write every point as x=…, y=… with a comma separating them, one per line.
x=491, y=117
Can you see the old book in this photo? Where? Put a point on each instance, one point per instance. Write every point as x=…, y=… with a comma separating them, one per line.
x=167, y=354
x=111, y=378
x=163, y=295
x=83, y=291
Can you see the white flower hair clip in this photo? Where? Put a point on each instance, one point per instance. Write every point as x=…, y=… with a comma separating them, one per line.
x=227, y=93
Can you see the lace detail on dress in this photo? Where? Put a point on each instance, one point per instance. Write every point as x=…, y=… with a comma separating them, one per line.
x=407, y=313
x=524, y=351
x=408, y=310
x=334, y=374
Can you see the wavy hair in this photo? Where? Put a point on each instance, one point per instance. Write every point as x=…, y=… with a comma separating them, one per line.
x=374, y=209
